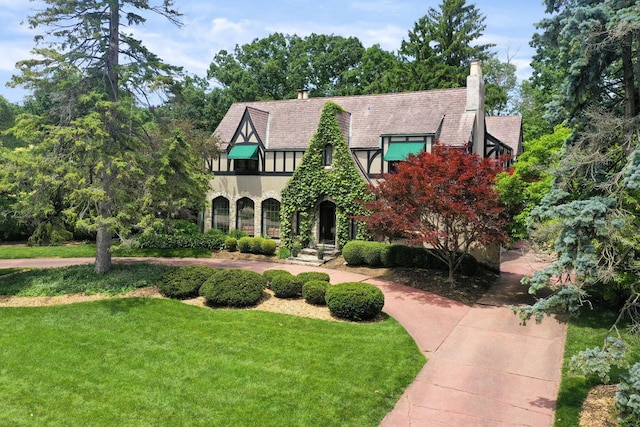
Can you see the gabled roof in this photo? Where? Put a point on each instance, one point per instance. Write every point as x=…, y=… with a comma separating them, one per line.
x=290, y=124
x=507, y=129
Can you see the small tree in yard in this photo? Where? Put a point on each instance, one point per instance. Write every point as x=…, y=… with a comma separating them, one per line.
x=444, y=199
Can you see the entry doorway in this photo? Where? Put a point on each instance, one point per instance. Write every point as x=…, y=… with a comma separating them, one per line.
x=327, y=232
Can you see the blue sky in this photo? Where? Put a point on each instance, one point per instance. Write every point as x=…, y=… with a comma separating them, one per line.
x=216, y=24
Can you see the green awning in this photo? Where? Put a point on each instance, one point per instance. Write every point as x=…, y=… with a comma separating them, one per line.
x=401, y=150
x=244, y=151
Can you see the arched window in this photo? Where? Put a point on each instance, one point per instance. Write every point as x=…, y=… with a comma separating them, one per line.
x=244, y=215
x=271, y=218
x=327, y=155
x=220, y=214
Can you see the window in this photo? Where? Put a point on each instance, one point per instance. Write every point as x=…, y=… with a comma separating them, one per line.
x=220, y=214
x=393, y=166
x=327, y=155
x=244, y=215
x=245, y=165
x=271, y=218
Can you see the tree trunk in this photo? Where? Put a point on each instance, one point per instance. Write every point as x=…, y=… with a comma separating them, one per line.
x=103, y=245
x=628, y=78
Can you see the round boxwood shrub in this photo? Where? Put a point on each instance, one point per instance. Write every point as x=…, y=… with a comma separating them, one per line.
x=231, y=243
x=371, y=253
x=354, y=300
x=233, y=288
x=183, y=282
x=314, y=275
x=388, y=255
x=286, y=286
x=352, y=252
x=270, y=274
x=256, y=245
x=268, y=246
x=244, y=245
x=314, y=292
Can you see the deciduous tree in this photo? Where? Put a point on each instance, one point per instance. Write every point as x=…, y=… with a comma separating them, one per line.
x=445, y=199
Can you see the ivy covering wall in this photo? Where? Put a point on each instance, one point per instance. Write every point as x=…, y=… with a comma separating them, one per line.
x=312, y=183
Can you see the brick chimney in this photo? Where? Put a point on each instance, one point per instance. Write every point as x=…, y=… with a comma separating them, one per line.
x=475, y=104
x=303, y=93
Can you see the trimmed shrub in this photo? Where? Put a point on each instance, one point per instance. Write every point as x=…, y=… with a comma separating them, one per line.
x=233, y=288
x=256, y=245
x=371, y=253
x=314, y=275
x=314, y=292
x=183, y=282
x=244, y=245
x=421, y=257
x=354, y=300
x=284, y=252
x=286, y=286
x=404, y=256
x=388, y=255
x=270, y=274
x=178, y=241
x=231, y=243
x=214, y=232
x=468, y=265
x=352, y=252
x=268, y=246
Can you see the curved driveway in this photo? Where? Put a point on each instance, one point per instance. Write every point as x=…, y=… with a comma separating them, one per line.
x=484, y=368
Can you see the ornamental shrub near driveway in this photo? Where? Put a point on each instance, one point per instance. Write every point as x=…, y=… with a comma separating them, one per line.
x=314, y=292
x=354, y=300
x=314, y=275
x=284, y=286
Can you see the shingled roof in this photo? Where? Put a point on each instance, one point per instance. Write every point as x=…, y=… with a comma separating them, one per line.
x=507, y=129
x=290, y=124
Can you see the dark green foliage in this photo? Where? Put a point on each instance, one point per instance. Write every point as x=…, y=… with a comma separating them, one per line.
x=314, y=275
x=233, y=288
x=284, y=286
x=183, y=282
x=354, y=301
x=468, y=265
x=270, y=274
x=352, y=252
x=231, y=244
x=388, y=255
x=255, y=245
x=268, y=247
x=371, y=253
x=215, y=232
x=404, y=256
x=244, y=245
x=314, y=292
x=211, y=242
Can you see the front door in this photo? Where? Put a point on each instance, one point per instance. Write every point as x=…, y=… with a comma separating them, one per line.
x=327, y=233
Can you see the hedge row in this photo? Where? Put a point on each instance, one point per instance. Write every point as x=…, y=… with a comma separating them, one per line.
x=211, y=242
x=377, y=254
x=257, y=245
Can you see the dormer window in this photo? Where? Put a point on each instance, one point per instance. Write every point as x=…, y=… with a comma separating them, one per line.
x=327, y=155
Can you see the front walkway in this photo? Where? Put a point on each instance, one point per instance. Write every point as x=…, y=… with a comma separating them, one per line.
x=484, y=368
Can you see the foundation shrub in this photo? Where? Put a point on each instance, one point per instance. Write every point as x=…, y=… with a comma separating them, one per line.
x=255, y=245
x=268, y=247
x=404, y=256
x=468, y=265
x=314, y=292
x=371, y=253
x=183, y=282
x=352, y=252
x=286, y=286
x=284, y=253
x=354, y=301
x=244, y=244
x=388, y=255
x=233, y=288
x=231, y=244
x=314, y=275
x=237, y=234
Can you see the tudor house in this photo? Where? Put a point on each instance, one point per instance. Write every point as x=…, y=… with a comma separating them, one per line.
x=262, y=143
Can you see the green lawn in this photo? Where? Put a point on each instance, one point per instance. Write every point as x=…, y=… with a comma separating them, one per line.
x=586, y=331
x=88, y=250
x=162, y=362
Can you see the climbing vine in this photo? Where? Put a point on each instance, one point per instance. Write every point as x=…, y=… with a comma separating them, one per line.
x=311, y=183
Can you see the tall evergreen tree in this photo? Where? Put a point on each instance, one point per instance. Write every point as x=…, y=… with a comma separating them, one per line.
x=93, y=74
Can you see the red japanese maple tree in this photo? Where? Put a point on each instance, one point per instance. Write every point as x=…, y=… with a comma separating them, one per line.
x=444, y=199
